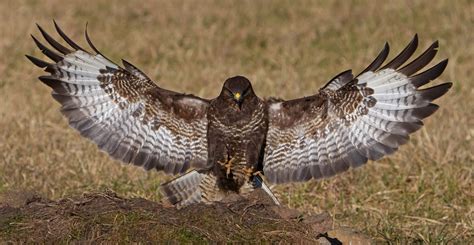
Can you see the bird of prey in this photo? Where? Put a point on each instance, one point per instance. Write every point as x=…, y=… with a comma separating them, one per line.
x=225, y=145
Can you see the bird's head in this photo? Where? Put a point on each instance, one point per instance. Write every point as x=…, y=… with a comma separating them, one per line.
x=237, y=89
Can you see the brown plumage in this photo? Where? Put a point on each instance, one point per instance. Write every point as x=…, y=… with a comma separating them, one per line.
x=224, y=145
x=236, y=133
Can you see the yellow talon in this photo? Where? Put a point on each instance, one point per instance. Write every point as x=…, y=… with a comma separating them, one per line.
x=248, y=171
x=228, y=166
x=259, y=173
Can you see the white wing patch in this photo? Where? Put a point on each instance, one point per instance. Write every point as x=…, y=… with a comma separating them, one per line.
x=360, y=118
x=121, y=111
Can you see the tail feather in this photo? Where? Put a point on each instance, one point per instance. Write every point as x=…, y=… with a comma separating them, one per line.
x=195, y=187
x=192, y=187
x=183, y=190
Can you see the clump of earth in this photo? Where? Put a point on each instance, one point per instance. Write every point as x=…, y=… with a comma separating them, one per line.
x=101, y=217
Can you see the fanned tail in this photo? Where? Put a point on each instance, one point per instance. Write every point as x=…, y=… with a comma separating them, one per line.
x=190, y=188
x=195, y=187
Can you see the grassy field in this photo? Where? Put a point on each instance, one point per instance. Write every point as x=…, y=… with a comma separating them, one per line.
x=422, y=193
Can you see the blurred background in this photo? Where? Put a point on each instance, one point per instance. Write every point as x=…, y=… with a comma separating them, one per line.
x=288, y=49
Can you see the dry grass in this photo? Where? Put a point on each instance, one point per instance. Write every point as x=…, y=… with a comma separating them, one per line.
x=424, y=192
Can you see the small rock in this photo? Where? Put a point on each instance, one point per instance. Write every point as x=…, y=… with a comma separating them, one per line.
x=348, y=236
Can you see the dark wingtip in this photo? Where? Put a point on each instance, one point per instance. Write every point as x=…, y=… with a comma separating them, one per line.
x=378, y=61
x=344, y=77
x=49, y=80
x=66, y=38
x=51, y=54
x=46, y=78
x=53, y=42
x=127, y=64
x=404, y=55
x=37, y=62
x=415, y=39
x=430, y=74
x=426, y=111
x=92, y=45
x=89, y=40
x=38, y=44
x=386, y=46
x=421, y=61
x=436, y=91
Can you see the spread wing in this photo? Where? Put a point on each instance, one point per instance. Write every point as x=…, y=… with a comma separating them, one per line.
x=352, y=119
x=122, y=110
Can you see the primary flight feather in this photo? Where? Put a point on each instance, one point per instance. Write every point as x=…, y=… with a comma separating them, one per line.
x=225, y=145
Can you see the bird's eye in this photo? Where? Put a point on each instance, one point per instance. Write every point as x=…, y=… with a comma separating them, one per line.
x=228, y=92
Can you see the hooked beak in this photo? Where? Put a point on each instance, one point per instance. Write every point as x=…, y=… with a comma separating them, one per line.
x=237, y=98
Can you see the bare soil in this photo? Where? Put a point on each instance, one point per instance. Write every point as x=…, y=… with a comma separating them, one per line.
x=100, y=217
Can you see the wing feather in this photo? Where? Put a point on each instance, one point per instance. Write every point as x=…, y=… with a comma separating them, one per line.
x=352, y=120
x=122, y=110
x=403, y=56
x=379, y=60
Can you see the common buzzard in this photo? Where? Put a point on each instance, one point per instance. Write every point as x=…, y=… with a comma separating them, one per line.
x=224, y=145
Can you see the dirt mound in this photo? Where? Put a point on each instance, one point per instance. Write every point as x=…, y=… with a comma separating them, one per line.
x=108, y=217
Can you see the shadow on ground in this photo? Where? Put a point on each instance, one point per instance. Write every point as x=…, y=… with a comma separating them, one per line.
x=105, y=216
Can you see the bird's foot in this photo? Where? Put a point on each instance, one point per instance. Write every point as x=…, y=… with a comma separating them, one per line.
x=248, y=171
x=227, y=165
x=258, y=173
